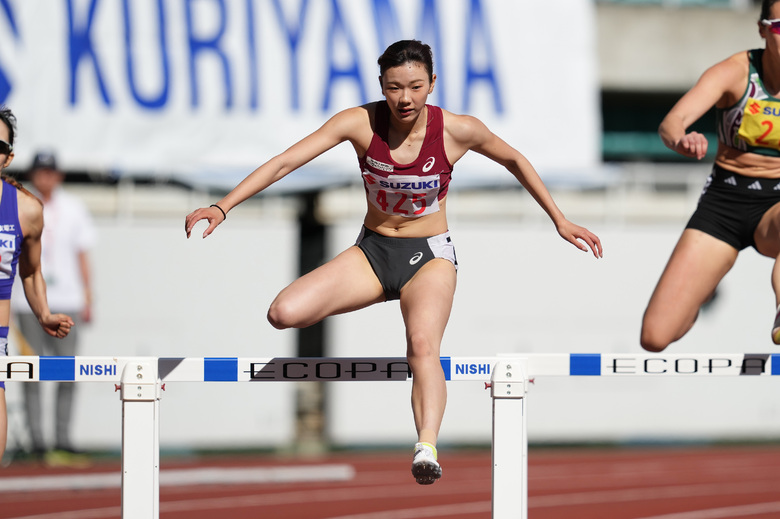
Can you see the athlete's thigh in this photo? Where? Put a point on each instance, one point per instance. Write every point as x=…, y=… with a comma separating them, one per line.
x=767, y=234
x=697, y=264
x=426, y=300
x=345, y=283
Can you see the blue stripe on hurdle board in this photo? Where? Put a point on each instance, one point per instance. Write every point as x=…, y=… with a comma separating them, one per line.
x=446, y=365
x=57, y=368
x=585, y=364
x=220, y=369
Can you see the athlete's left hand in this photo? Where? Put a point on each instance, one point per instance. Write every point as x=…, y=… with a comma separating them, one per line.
x=576, y=235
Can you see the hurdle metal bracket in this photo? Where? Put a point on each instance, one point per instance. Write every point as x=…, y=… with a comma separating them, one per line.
x=140, y=382
x=508, y=380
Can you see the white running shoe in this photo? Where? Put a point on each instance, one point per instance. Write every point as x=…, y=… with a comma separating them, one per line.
x=425, y=469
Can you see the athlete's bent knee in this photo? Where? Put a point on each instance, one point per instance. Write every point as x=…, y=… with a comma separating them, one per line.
x=281, y=316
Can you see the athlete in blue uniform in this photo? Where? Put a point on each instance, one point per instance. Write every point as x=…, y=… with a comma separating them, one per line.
x=21, y=226
x=406, y=151
x=739, y=206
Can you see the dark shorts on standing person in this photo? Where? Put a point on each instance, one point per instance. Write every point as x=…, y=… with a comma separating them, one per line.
x=732, y=205
x=396, y=260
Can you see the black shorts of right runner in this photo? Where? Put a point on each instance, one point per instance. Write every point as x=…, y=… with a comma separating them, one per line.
x=732, y=205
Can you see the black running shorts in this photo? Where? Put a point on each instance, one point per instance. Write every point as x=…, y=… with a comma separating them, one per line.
x=396, y=260
x=731, y=206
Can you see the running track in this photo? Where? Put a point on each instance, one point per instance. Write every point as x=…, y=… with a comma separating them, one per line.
x=649, y=483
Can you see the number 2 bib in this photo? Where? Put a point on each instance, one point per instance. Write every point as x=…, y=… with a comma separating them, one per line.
x=760, y=127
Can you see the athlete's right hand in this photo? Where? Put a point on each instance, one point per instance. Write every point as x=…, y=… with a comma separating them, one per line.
x=212, y=214
x=56, y=325
x=692, y=145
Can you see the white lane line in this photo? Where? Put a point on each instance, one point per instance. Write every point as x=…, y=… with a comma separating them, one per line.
x=179, y=477
x=344, y=494
x=298, y=497
x=92, y=513
x=476, y=507
x=445, y=511
x=650, y=494
x=606, y=476
x=462, y=488
x=725, y=512
x=62, y=482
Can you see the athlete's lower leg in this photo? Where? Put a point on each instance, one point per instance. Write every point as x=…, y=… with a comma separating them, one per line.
x=776, y=288
x=426, y=302
x=429, y=398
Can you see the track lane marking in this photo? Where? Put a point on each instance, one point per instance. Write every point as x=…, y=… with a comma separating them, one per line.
x=476, y=507
x=179, y=477
x=648, y=493
x=343, y=494
x=724, y=512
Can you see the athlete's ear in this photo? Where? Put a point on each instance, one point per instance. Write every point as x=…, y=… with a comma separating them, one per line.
x=8, y=160
x=433, y=82
x=381, y=86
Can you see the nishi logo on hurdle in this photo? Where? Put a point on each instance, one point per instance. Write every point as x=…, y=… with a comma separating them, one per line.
x=141, y=380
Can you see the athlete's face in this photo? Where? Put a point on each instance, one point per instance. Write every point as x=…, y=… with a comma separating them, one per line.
x=5, y=136
x=406, y=88
x=770, y=29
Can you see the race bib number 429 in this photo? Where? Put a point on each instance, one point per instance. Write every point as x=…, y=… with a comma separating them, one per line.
x=403, y=195
x=761, y=123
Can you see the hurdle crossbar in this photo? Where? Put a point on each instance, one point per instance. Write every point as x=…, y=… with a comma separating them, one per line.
x=141, y=379
x=297, y=369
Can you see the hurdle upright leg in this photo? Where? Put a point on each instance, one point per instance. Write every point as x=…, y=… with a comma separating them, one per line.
x=140, y=393
x=510, y=442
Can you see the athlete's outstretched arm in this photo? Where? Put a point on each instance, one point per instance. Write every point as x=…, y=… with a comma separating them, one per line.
x=31, y=219
x=341, y=127
x=469, y=132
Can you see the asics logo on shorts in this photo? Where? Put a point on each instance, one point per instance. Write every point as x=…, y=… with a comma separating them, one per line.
x=428, y=164
x=416, y=258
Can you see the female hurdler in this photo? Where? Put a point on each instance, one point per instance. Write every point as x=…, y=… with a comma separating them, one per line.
x=406, y=150
x=21, y=221
x=739, y=206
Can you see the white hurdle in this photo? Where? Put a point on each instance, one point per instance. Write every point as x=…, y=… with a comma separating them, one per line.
x=141, y=379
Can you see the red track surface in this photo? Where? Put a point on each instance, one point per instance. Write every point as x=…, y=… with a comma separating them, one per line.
x=651, y=483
